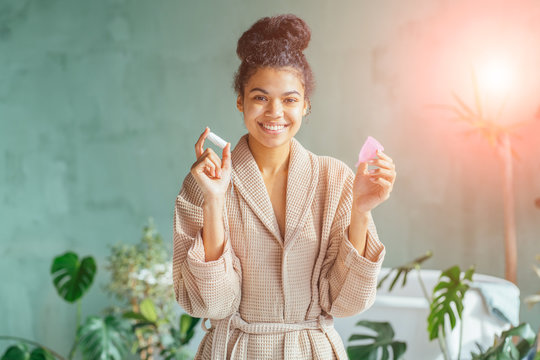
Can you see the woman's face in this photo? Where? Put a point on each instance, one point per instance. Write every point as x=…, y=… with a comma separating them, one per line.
x=273, y=98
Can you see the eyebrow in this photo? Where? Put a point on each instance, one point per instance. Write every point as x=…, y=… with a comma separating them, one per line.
x=284, y=94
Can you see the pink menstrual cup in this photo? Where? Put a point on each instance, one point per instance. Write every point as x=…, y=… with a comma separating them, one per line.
x=369, y=150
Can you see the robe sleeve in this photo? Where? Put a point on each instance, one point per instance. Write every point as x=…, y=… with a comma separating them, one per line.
x=205, y=289
x=348, y=280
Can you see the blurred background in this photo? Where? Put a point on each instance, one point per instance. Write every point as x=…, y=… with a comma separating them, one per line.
x=101, y=103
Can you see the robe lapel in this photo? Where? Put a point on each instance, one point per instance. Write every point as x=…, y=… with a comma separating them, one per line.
x=247, y=179
x=301, y=185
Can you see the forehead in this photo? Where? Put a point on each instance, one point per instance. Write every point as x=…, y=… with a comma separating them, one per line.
x=276, y=80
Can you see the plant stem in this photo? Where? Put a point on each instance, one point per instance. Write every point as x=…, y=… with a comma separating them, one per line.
x=77, y=324
x=78, y=314
x=442, y=344
x=509, y=215
x=73, y=348
x=426, y=295
x=33, y=343
x=460, y=337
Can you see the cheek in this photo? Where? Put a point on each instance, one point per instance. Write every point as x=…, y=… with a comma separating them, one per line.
x=253, y=111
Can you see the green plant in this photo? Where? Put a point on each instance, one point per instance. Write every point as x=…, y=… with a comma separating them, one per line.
x=404, y=270
x=450, y=289
x=72, y=278
x=141, y=277
x=180, y=337
x=444, y=294
x=381, y=343
x=503, y=347
x=105, y=338
x=21, y=351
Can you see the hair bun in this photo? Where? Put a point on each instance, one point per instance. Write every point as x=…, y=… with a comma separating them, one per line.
x=281, y=33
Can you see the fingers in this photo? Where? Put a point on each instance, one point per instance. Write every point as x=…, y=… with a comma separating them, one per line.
x=226, y=155
x=199, y=145
x=362, y=167
x=386, y=169
x=384, y=161
x=210, y=163
x=215, y=161
x=383, y=156
x=389, y=175
x=385, y=184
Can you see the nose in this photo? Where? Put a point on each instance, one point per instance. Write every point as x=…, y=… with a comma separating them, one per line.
x=274, y=108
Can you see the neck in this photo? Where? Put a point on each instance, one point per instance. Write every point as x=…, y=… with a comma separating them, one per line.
x=271, y=161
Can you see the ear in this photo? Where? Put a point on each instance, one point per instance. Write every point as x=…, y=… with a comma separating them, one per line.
x=306, y=104
x=240, y=103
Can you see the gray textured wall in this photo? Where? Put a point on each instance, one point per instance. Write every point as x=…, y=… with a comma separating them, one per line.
x=101, y=103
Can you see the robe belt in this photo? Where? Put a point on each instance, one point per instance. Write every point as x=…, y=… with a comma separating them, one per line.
x=224, y=327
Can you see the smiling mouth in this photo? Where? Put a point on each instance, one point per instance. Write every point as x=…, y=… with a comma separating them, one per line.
x=273, y=127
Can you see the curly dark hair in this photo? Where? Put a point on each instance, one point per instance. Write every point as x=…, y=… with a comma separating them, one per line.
x=276, y=41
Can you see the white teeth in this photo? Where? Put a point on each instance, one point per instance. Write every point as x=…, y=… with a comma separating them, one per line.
x=273, y=127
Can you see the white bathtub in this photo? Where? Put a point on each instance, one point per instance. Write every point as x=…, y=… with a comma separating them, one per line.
x=407, y=310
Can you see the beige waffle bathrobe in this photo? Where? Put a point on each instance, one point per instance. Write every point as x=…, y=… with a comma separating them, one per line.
x=268, y=297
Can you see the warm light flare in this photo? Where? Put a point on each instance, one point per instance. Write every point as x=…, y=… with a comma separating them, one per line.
x=495, y=76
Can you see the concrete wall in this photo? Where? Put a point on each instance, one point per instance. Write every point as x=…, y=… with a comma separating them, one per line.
x=101, y=103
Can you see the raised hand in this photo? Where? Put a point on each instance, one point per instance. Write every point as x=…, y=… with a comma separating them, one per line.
x=371, y=188
x=211, y=173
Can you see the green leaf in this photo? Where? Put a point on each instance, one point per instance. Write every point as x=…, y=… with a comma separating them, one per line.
x=404, y=270
x=16, y=352
x=148, y=310
x=21, y=352
x=72, y=278
x=444, y=294
x=104, y=339
x=187, y=328
x=134, y=316
x=41, y=354
x=380, y=345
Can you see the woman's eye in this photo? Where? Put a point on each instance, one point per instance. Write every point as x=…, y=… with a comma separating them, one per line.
x=290, y=100
x=260, y=97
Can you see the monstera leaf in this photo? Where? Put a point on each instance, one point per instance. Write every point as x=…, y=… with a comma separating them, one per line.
x=71, y=277
x=104, y=339
x=21, y=352
x=504, y=348
x=444, y=294
x=379, y=347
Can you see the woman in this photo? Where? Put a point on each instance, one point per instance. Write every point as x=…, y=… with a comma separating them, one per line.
x=272, y=260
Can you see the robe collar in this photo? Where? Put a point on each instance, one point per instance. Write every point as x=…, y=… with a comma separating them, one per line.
x=302, y=180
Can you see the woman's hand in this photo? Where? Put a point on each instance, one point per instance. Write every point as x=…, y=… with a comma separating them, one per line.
x=371, y=188
x=211, y=173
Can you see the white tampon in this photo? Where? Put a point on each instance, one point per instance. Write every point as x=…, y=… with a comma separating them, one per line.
x=216, y=140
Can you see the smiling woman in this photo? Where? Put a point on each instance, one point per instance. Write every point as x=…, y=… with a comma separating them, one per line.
x=298, y=245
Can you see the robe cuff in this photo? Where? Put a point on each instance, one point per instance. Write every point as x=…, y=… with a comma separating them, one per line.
x=208, y=270
x=371, y=263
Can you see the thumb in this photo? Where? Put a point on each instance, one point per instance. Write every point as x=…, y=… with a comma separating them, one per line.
x=362, y=168
x=226, y=163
